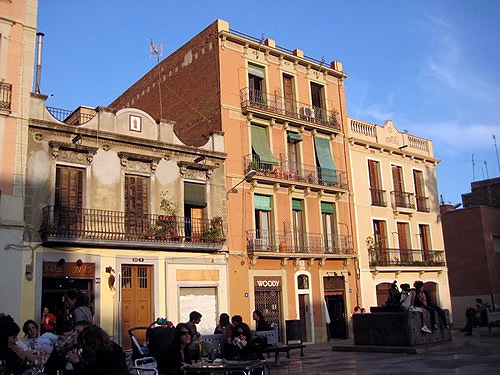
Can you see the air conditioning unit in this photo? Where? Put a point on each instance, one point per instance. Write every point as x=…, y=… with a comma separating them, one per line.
x=307, y=113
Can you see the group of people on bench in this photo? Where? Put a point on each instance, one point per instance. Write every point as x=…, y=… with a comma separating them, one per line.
x=418, y=299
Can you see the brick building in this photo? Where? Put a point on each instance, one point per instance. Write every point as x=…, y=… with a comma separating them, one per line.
x=290, y=236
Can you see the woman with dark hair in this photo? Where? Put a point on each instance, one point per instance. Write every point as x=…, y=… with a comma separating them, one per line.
x=424, y=300
x=225, y=327
x=179, y=353
x=241, y=344
x=99, y=354
x=79, y=307
x=17, y=359
x=260, y=321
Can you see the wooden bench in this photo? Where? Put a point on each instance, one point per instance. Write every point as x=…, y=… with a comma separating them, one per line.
x=274, y=345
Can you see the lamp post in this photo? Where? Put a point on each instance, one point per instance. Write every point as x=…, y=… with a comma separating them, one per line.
x=248, y=178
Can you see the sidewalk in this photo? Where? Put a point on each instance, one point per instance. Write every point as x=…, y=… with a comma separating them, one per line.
x=479, y=354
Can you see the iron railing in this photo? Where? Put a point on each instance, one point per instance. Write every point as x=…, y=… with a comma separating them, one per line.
x=298, y=242
x=402, y=199
x=67, y=224
x=63, y=115
x=297, y=172
x=406, y=257
x=5, y=96
x=378, y=197
x=278, y=105
x=422, y=204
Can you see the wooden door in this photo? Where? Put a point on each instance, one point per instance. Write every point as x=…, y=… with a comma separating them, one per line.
x=288, y=93
x=397, y=182
x=136, y=204
x=305, y=316
x=136, y=300
x=404, y=243
x=425, y=241
x=197, y=222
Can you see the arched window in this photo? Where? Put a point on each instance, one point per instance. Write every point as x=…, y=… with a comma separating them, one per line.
x=303, y=282
x=382, y=293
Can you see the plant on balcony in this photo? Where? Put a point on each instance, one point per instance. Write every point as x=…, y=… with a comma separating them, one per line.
x=167, y=224
x=374, y=250
x=214, y=232
x=334, y=119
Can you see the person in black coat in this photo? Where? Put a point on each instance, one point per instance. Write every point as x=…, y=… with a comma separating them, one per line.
x=99, y=354
x=179, y=353
x=17, y=359
x=241, y=347
x=260, y=321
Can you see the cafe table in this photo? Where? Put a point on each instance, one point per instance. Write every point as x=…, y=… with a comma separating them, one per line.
x=255, y=367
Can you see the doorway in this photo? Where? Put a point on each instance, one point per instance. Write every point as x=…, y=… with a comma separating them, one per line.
x=136, y=300
x=335, y=305
x=305, y=316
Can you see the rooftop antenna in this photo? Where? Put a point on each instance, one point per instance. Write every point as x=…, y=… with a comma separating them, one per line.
x=323, y=61
x=486, y=166
x=261, y=40
x=473, y=171
x=153, y=50
x=496, y=151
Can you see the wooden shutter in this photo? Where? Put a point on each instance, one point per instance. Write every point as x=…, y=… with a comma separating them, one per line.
x=136, y=202
x=288, y=93
x=374, y=174
x=397, y=178
x=69, y=187
x=419, y=183
x=403, y=240
x=425, y=239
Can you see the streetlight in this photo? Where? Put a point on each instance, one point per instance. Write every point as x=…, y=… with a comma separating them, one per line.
x=248, y=178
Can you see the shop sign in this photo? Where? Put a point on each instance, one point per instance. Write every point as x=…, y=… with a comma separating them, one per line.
x=267, y=282
x=68, y=269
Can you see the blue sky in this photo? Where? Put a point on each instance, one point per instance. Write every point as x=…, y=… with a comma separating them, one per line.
x=433, y=67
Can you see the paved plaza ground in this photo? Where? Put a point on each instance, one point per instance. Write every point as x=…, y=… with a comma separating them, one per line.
x=478, y=354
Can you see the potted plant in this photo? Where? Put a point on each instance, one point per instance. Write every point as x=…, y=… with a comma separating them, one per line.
x=374, y=250
x=167, y=223
x=214, y=232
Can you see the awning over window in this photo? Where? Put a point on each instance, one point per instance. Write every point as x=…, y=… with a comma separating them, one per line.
x=260, y=144
x=327, y=208
x=296, y=137
x=297, y=205
x=256, y=71
x=327, y=172
x=194, y=194
x=262, y=202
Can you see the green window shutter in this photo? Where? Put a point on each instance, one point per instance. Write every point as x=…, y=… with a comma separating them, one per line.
x=262, y=202
x=260, y=145
x=328, y=172
x=327, y=208
x=297, y=205
x=194, y=194
x=256, y=71
x=296, y=137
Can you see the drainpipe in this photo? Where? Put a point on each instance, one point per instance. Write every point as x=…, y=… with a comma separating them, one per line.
x=39, y=37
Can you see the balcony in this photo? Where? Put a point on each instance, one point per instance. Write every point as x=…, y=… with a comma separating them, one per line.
x=402, y=199
x=297, y=244
x=91, y=227
x=275, y=106
x=296, y=174
x=5, y=96
x=378, y=197
x=422, y=204
x=406, y=257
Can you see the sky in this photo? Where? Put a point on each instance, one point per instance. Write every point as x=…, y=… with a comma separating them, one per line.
x=431, y=66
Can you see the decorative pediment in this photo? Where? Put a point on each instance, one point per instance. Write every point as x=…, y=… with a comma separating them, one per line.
x=70, y=152
x=138, y=162
x=196, y=171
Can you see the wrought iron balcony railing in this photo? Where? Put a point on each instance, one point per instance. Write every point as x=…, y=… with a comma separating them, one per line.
x=64, y=115
x=296, y=172
x=92, y=225
x=402, y=199
x=298, y=242
x=378, y=197
x=276, y=104
x=406, y=257
x=5, y=96
x=422, y=204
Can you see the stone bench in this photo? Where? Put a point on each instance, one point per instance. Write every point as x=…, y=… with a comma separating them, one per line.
x=394, y=329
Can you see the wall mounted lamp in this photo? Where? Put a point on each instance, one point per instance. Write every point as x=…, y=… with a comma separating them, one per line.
x=248, y=178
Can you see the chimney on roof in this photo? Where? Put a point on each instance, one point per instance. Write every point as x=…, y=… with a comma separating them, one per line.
x=39, y=37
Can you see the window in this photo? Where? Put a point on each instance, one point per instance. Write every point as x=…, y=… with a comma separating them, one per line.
x=303, y=282
x=256, y=84
x=136, y=204
x=298, y=224
x=68, y=202
x=288, y=94
x=377, y=194
x=380, y=234
x=293, y=155
x=262, y=157
x=329, y=226
x=263, y=224
x=404, y=242
x=418, y=180
x=327, y=174
x=194, y=209
x=425, y=240
x=400, y=197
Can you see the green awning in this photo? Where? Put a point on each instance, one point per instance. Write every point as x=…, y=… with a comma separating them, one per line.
x=256, y=71
x=297, y=205
x=327, y=208
x=194, y=194
x=327, y=172
x=292, y=136
x=260, y=144
x=262, y=202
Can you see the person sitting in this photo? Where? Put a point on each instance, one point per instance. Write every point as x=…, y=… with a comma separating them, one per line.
x=406, y=304
x=98, y=355
x=424, y=300
x=241, y=344
x=224, y=327
x=38, y=344
x=194, y=319
x=260, y=321
x=236, y=319
x=17, y=358
x=394, y=295
x=179, y=353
